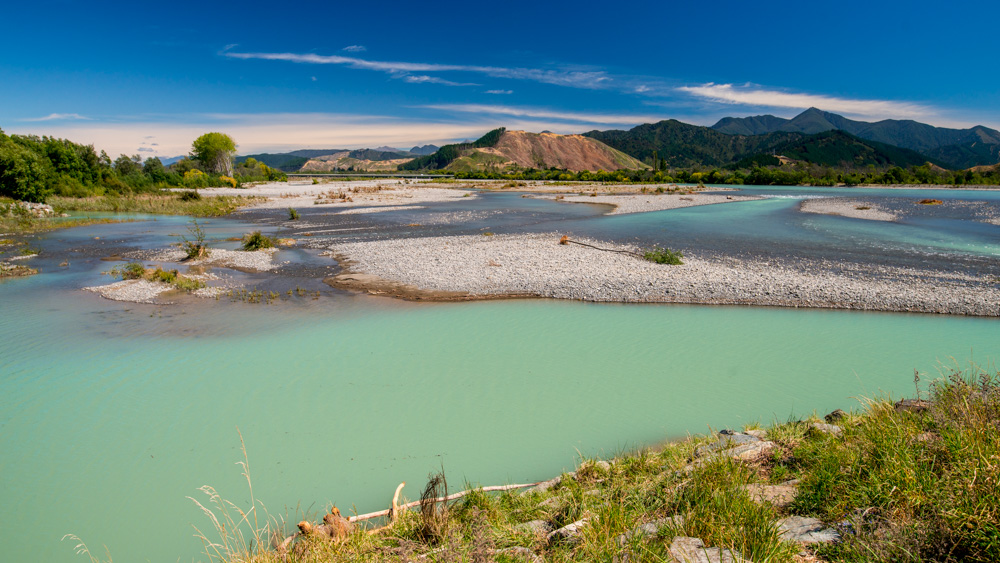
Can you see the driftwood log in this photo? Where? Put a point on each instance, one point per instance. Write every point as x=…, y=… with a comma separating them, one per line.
x=335, y=527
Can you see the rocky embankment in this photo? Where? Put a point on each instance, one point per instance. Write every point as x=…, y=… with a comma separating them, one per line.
x=484, y=267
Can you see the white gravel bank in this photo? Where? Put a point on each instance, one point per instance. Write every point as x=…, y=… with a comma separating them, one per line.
x=298, y=194
x=134, y=291
x=538, y=265
x=847, y=208
x=641, y=203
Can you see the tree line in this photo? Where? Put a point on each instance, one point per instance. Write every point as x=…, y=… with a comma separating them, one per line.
x=33, y=168
x=755, y=175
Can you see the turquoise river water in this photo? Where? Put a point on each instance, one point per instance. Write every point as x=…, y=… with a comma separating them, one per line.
x=112, y=415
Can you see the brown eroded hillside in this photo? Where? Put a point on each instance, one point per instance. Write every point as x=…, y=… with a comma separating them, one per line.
x=546, y=150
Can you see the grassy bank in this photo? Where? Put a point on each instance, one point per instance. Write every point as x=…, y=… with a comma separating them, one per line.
x=183, y=203
x=918, y=481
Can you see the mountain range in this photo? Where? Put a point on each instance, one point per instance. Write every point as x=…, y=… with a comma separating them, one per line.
x=813, y=136
x=959, y=148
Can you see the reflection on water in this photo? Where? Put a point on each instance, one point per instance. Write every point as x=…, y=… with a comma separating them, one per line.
x=111, y=414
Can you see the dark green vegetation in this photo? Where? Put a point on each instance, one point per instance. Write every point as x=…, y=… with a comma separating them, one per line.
x=663, y=256
x=35, y=168
x=293, y=215
x=911, y=482
x=257, y=241
x=446, y=154
x=959, y=148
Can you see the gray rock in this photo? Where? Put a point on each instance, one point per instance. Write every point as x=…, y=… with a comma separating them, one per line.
x=831, y=429
x=536, y=527
x=652, y=529
x=779, y=496
x=806, y=530
x=569, y=532
x=727, y=439
x=692, y=550
x=757, y=433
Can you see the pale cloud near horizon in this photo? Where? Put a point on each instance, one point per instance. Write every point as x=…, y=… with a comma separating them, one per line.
x=257, y=133
x=542, y=113
x=589, y=79
x=500, y=92
x=58, y=117
x=355, y=49
x=760, y=97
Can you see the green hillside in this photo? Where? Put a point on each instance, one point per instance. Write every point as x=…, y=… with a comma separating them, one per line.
x=957, y=148
x=683, y=145
x=839, y=149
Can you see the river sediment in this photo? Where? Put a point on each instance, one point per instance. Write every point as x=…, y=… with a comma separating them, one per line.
x=502, y=266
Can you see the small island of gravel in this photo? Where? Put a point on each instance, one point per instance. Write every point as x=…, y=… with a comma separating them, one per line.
x=503, y=266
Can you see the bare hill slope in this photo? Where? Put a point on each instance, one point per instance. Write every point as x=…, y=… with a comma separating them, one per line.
x=546, y=150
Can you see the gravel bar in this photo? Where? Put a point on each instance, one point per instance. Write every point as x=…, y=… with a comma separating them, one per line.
x=536, y=264
x=846, y=208
x=641, y=203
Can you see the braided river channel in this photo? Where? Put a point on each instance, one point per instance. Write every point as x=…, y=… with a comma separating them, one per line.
x=113, y=414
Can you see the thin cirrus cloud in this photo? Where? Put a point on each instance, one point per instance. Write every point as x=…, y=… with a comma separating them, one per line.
x=541, y=113
x=591, y=79
x=751, y=96
x=500, y=92
x=58, y=117
x=355, y=49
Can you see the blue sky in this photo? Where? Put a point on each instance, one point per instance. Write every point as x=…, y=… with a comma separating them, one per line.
x=149, y=78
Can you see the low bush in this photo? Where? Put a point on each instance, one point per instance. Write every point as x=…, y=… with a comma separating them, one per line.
x=257, y=241
x=664, y=256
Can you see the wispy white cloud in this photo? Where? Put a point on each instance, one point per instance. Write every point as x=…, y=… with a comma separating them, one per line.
x=57, y=117
x=355, y=49
x=500, y=92
x=754, y=96
x=591, y=79
x=542, y=113
x=425, y=79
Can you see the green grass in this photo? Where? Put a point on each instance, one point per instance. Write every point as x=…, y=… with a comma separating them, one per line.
x=164, y=204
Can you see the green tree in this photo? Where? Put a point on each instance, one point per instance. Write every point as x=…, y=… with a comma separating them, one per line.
x=215, y=151
x=127, y=165
x=23, y=173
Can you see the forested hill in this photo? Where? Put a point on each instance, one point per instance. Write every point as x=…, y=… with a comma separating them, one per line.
x=683, y=145
x=958, y=148
x=680, y=145
x=837, y=148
